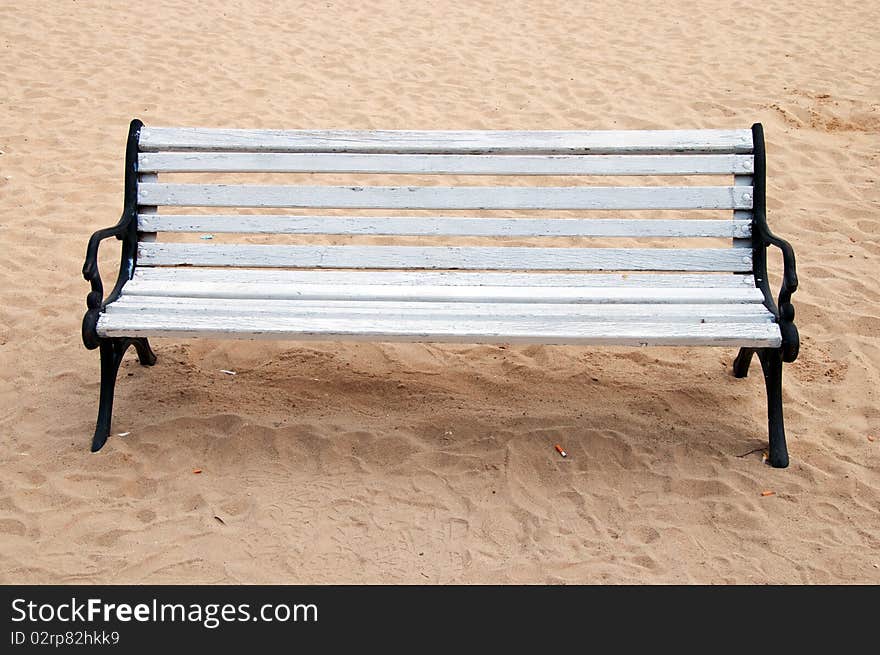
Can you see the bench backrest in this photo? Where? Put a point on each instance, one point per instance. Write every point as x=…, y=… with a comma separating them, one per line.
x=682, y=199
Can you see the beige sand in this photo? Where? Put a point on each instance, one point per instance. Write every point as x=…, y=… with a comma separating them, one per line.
x=420, y=463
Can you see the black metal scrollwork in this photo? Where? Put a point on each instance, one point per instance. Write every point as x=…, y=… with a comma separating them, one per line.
x=763, y=238
x=126, y=231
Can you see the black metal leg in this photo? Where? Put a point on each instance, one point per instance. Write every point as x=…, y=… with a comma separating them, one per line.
x=112, y=351
x=146, y=356
x=771, y=363
x=742, y=361
x=110, y=360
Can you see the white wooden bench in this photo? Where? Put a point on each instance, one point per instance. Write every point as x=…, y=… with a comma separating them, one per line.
x=692, y=271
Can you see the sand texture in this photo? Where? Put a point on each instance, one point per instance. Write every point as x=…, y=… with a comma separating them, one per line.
x=329, y=462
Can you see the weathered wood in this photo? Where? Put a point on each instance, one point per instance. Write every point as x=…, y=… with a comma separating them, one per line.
x=423, y=305
x=471, y=197
x=446, y=257
x=279, y=162
x=444, y=293
x=274, y=277
x=443, y=225
x=184, y=307
x=447, y=142
x=510, y=330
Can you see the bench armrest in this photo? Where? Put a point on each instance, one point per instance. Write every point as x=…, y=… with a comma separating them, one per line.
x=90, y=270
x=782, y=308
x=126, y=231
x=789, y=267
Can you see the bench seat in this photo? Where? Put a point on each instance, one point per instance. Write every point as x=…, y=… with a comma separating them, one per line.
x=463, y=307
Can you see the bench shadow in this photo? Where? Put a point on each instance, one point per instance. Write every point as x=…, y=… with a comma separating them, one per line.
x=374, y=411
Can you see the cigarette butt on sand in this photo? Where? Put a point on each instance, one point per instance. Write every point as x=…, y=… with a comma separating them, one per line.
x=561, y=451
x=197, y=471
x=228, y=372
x=768, y=493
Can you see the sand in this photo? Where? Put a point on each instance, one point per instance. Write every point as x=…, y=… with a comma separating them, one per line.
x=329, y=462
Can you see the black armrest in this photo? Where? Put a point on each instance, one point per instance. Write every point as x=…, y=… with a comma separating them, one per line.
x=126, y=231
x=783, y=308
x=90, y=267
x=789, y=267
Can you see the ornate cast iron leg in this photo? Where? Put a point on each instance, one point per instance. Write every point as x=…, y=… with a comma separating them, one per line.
x=146, y=356
x=771, y=363
x=742, y=361
x=112, y=351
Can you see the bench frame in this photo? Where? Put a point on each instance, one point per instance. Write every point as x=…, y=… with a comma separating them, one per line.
x=112, y=349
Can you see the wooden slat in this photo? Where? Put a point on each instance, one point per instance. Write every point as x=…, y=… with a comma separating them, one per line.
x=442, y=225
x=694, y=313
x=446, y=257
x=436, y=293
x=279, y=162
x=510, y=330
x=234, y=195
x=447, y=142
x=274, y=277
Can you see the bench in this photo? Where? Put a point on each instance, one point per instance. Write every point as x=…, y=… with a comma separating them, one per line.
x=473, y=262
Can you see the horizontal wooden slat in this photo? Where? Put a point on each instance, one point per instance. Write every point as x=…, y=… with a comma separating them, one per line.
x=435, y=293
x=442, y=225
x=693, y=313
x=473, y=197
x=446, y=257
x=280, y=162
x=167, y=277
x=509, y=330
x=447, y=142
